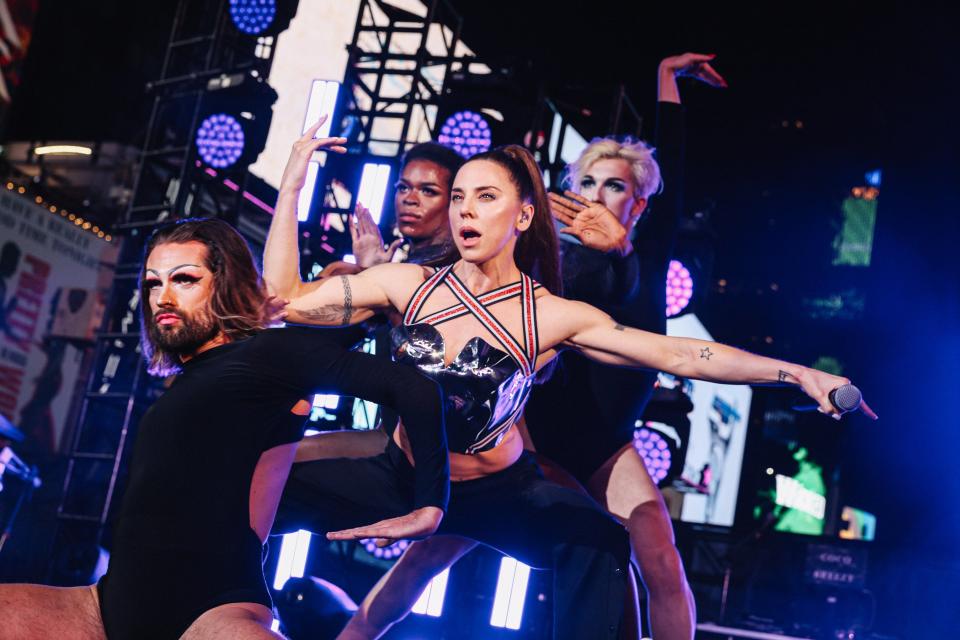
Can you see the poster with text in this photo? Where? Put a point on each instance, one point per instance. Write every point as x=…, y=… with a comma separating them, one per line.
x=54, y=276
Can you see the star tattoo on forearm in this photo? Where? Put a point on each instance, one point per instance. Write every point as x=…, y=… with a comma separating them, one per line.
x=705, y=353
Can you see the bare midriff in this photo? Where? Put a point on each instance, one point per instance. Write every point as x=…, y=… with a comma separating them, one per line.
x=470, y=467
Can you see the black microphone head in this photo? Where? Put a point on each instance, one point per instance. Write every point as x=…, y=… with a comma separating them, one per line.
x=846, y=398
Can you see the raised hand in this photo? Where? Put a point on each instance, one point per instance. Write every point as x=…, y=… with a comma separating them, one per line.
x=590, y=222
x=688, y=65
x=694, y=65
x=419, y=523
x=295, y=173
x=368, y=246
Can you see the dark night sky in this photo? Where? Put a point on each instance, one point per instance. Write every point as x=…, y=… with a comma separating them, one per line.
x=874, y=87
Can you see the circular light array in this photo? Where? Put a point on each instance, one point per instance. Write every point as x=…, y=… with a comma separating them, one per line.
x=220, y=140
x=386, y=553
x=679, y=288
x=252, y=16
x=654, y=450
x=465, y=132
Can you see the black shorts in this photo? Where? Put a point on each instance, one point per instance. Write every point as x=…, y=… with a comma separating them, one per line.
x=515, y=511
x=153, y=592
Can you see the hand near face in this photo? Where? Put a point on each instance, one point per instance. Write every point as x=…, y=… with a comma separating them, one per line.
x=368, y=246
x=590, y=222
x=295, y=173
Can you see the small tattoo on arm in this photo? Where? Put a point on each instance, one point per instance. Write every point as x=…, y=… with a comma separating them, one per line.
x=705, y=353
x=782, y=376
x=347, y=300
x=619, y=327
x=329, y=314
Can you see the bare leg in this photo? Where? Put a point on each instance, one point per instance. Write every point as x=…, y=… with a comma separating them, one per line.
x=394, y=595
x=630, y=625
x=235, y=621
x=341, y=444
x=624, y=487
x=36, y=612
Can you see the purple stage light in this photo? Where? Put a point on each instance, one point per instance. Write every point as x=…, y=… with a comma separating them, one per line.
x=385, y=553
x=465, y=132
x=679, y=288
x=252, y=16
x=656, y=454
x=220, y=140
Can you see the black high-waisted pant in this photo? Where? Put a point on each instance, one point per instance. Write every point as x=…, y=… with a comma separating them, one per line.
x=515, y=511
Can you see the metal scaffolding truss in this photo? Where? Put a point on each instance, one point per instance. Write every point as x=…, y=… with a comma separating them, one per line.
x=398, y=69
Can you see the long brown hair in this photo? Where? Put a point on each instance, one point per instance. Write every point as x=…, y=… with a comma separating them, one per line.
x=238, y=304
x=537, y=251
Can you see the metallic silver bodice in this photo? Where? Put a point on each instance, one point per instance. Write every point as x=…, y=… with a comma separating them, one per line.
x=484, y=389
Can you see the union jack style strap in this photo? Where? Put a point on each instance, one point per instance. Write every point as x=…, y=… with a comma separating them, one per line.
x=421, y=294
x=520, y=354
x=531, y=340
x=505, y=292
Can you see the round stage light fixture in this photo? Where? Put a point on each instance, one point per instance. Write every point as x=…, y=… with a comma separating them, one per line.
x=389, y=552
x=679, y=288
x=253, y=17
x=220, y=140
x=655, y=451
x=466, y=132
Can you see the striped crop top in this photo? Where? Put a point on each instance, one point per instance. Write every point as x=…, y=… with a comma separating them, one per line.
x=484, y=387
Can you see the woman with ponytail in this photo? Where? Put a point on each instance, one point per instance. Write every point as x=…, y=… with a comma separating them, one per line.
x=484, y=329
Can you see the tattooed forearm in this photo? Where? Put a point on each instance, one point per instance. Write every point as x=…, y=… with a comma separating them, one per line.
x=705, y=353
x=347, y=300
x=783, y=376
x=619, y=327
x=329, y=314
x=332, y=314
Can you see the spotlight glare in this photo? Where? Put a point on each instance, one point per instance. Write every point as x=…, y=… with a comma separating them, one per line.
x=654, y=450
x=63, y=150
x=220, y=140
x=430, y=602
x=465, y=132
x=293, y=557
x=679, y=288
x=389, y=552
x=510, y=595
x=373, y=188
x=322, y=100
x=253, y=16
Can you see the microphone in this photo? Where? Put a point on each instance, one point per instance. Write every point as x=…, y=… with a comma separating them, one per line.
x=844, y=398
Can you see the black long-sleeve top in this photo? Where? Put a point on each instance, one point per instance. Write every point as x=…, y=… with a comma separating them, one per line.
x=632, y=289
x=199, y=443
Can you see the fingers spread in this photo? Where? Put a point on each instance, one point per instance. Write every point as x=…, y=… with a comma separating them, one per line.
x=577, y=198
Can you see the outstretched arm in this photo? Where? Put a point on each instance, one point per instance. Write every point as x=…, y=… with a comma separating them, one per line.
x=600, y=337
